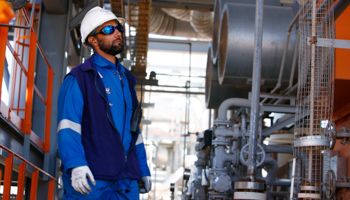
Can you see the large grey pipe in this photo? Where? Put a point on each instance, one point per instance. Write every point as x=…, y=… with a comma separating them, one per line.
x=218, y=10
x=215, y=93
x=236, y=47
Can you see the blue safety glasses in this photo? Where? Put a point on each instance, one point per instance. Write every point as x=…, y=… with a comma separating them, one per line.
x=107, y=30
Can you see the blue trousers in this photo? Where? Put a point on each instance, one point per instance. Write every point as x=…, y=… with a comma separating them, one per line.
x=125, y=189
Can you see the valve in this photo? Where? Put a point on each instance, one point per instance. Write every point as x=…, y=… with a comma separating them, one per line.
x=330, y=184
x=260, y=155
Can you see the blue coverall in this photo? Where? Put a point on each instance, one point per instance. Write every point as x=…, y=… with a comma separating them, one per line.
x=71, y=150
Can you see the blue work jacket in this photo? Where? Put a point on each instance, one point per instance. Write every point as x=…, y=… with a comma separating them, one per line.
x=89, y=118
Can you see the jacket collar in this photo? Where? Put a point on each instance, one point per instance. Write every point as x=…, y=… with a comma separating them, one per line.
x=89, y=65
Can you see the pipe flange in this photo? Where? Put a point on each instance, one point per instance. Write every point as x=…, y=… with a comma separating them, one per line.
x=309, y=196
x=217, y=195
x=242, y=185
x=217, y=170
x=309, y=188
x=220, y=142
x=317, y=140
x=222, y=122
x=244, y=155
x=249, y=195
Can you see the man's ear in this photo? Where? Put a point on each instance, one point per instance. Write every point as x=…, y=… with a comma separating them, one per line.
x=92, y=41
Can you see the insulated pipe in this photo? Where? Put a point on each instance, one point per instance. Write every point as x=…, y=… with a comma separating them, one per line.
x=180, y=14
x=218, y=10
x=278, y=85
x=239, y=102
x=202, y=22
x=294, y=64
x=236, y=47
x=215, y=93
x=254, y=114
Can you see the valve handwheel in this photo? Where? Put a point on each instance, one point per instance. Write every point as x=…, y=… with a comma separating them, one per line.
x=332, y=134
x=330, y=185
x=244, y=155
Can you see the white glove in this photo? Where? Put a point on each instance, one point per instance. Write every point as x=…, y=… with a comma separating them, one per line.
x=79, y=179
x=148, y=183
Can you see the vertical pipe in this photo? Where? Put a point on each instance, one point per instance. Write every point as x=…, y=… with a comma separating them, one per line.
x=255, y=88
x=210, y=118
x=312, y=88
x=292, y=182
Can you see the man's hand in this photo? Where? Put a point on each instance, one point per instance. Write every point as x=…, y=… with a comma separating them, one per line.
x=79, y=179
x=148, y=183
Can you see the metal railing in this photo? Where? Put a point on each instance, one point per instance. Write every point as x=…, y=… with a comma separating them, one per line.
x=24, y=53
x=22, y=170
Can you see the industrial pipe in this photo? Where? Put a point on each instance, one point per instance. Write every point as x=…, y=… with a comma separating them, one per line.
x=271, y=178
x=278, y=85
x=239, y=102
x=236, y=47
x=215, y=93
x=255, y=108
x=278, y=149
x=218, y=10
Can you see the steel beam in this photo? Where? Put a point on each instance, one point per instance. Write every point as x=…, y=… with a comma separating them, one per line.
x=78, y=17
x=56, y=6
x=278, y=126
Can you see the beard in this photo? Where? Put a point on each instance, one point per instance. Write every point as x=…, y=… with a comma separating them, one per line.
x=111, y=49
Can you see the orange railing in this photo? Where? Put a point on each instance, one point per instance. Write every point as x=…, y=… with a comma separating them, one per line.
x=24, y=63
x=22, y=170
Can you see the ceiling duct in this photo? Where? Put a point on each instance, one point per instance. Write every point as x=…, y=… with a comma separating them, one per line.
x=163, y=24
x=180, y=14
x=202, y=22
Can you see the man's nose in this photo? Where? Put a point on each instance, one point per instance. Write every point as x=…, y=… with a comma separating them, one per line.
x=117, y=33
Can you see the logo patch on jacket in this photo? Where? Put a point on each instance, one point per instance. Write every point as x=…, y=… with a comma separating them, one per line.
x=108, y=90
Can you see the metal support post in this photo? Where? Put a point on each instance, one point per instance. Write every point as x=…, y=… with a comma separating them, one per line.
x=255, y=88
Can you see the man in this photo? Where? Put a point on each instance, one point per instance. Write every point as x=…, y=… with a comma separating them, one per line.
x=102, y=158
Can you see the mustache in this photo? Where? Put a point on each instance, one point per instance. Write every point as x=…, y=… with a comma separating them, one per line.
x=118, y=39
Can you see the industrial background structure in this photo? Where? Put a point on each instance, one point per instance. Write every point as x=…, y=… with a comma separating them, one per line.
x=255, y=95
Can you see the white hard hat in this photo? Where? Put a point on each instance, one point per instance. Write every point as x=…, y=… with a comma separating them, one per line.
x=95, y=18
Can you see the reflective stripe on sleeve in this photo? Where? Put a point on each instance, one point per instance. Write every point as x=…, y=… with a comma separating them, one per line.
x=139, y=140
x=65, y=123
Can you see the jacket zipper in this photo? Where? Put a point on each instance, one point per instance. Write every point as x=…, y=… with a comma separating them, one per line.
x=99, y=91
x=121, y=81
